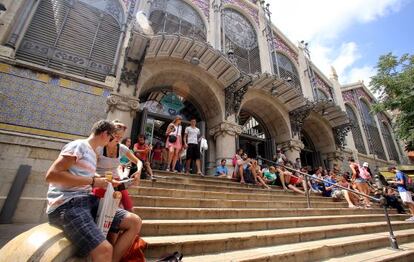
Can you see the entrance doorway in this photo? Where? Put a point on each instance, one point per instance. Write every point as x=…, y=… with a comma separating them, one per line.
x=159, y=109
x=309, y=156
x=254, y=140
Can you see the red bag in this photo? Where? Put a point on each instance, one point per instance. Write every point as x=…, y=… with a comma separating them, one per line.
x=136, y=252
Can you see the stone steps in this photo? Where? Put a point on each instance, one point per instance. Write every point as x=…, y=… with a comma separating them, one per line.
x=157, y=201
x=225, y=213
x=311, y=250
x=166, y=192
x=405, y=253
x=206, y=226
x=201, y=244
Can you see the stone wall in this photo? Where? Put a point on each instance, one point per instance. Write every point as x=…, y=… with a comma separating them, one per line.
x=45, y=102
x=37, y=152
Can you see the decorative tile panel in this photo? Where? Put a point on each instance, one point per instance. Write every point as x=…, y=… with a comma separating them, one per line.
x=361, y=93
x=280, y=44
x=252, y=11
x=320, y=83
x=204, y=7
x=49, y=103
x=348, y=96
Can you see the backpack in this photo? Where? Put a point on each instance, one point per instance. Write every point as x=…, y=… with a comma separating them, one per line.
x=363, y=173
x=136, y=252
x=174, y=257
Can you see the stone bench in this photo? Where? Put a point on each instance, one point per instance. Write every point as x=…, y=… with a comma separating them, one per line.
x=42, y=243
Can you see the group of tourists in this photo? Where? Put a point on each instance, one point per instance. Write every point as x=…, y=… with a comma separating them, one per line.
x=78, y=179
x=80, y=175
x=327, y=183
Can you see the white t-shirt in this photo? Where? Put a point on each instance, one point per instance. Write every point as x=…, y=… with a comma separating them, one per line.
x=85, y=166
x=192, y=134
x=110, y=164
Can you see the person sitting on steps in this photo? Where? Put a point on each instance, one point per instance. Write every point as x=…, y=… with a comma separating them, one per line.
x=72, y=207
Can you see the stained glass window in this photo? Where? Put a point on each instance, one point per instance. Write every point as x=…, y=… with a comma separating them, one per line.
x=77, y=37
x=177, y=17
x=240, y=37
x=287, y=69
x=356, y=130
x=373, y=134
x=389, y=142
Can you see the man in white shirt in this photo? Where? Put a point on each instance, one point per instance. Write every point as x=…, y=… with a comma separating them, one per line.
x=191, y=137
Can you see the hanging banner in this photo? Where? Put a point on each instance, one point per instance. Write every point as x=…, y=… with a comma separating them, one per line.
x=172, y=104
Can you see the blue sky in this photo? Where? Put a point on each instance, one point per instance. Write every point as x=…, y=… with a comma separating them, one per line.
x=348, y=34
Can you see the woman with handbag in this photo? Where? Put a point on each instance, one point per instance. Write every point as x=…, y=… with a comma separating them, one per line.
x=174, y=142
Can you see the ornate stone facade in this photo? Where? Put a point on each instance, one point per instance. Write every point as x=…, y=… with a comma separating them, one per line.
x=122, y=103
x=226, y=128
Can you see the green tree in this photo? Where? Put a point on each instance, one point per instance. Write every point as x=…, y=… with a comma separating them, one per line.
x=394, y=85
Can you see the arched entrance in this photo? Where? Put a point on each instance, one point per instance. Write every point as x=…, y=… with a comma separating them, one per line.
x=264, y=124
x=317, y=136
x=254, y=139
x=308, y=155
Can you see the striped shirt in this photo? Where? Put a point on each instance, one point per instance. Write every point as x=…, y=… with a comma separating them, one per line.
x=85, y=165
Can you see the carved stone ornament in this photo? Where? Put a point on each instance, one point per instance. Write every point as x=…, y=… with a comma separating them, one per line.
x=292, y=145
x=298, y=117
x=226, y=128
x=235, y=92
x=129, y=77
x=336, y=156
x=340, y=133
x=122, y=103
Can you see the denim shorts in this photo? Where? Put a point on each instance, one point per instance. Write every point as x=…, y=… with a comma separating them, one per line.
x=360, y=180
x=77, y=220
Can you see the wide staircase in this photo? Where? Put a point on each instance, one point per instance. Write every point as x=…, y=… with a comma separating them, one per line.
x=212, y=219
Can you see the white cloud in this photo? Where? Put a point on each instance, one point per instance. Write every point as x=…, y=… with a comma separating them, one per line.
x=321, y=22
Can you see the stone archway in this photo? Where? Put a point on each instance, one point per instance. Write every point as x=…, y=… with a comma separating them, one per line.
x=273, y=116
x=319, y=132
x=188, y=81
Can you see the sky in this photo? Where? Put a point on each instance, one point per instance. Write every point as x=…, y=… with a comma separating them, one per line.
x=349, y=35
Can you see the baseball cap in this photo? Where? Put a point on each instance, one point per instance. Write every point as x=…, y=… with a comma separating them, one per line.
x=365, y=164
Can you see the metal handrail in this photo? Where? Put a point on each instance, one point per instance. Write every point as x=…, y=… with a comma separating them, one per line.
x=381, y=200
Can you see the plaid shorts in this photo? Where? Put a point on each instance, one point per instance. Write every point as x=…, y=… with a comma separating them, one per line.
x=77, y=220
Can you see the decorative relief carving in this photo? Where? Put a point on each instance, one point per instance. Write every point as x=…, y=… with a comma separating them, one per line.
x=336, y=156
x=298, y=117
x=323, y=85
x=348, y=96
x=122, y=103
x=340, y=133
x=292, y=145
x=280, y=44
x=253, y=12
x=203, y=5
x=226, y=128
x=234, y=94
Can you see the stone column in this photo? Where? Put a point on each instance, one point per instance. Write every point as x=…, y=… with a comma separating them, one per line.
x=335, y=159
x=123, y=108
x=292, y=148
x=225, y=141
x=214, y=33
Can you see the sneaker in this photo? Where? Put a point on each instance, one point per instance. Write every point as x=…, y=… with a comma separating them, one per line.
x=168, y=170
x=411, y=219
x=153, y=179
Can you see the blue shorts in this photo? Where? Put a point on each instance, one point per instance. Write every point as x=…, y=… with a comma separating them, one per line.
x=360, y=180
x=77, y=220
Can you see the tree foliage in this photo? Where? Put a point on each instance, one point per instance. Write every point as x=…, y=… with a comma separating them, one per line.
x=394, y=84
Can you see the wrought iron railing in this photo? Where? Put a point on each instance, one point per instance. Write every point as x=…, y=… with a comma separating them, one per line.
x=382, y=200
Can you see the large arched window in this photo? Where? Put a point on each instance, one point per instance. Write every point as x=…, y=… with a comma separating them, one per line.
x=287, y=69
x=373, y=134
x=78, y=37
x=389, y=142
x=177, y=17
x=240, y=38
x=356, y=130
